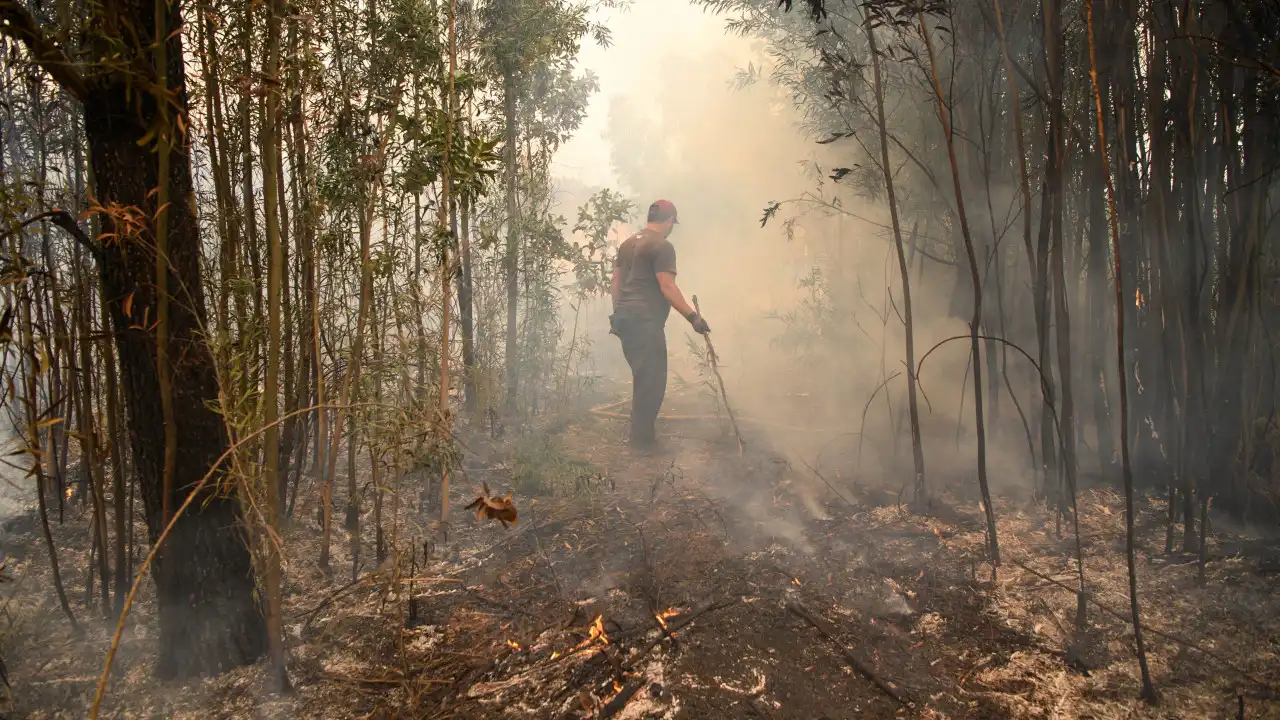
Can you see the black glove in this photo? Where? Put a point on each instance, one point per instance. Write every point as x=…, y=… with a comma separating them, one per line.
x=700, y=325
x=613, y=325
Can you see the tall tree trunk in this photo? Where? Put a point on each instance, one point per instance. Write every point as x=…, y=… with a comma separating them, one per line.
x=917, y=449
x=993, y=542
x=446, y=196
x=466, y=319
x=509, y=90
x=208, y=612
x=1148, y=690
x=270, y=139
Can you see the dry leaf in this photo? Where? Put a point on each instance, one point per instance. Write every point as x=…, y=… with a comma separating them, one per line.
x=499, y=509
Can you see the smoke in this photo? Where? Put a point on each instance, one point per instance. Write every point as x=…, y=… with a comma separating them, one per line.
x=806, y=311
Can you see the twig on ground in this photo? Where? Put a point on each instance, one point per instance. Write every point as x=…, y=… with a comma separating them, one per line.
x=1123, y=617
x=677, y=625
x=619, y=701
x=757, y=705
x=829, y=631
x=833, y=489
x=334, y=596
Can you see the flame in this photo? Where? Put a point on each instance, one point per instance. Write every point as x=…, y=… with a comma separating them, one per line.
x=513, y=645
x=662, y=617
x=597, y=633
x=70, y=491
x=555, y=654
x=1137, y=297
x=795, y=581
x=617, y=686
x=937, y=532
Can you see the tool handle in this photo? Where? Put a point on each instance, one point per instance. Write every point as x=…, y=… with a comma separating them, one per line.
x=695, y=305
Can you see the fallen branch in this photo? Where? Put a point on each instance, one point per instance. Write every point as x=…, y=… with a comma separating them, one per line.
x=619, y=701
x=679, y=624
x=334, y=596
x=1127, y=619
x=829, y=631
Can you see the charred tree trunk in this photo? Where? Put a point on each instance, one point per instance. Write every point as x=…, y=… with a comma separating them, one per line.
x=917, y=450
x=209, y=615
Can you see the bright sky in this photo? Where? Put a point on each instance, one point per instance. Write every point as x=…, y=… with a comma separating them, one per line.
x=642, y=36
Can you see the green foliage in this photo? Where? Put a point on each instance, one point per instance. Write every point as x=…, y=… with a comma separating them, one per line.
x=706, y=382
x=541, y=466
x=596, y=219
x=816, y=325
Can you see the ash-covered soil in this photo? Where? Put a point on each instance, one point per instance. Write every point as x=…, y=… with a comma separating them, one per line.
x=694, y=583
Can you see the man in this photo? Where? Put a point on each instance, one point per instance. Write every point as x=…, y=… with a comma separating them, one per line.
x=644, y=291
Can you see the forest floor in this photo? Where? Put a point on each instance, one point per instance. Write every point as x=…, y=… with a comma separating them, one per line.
x=780, y=600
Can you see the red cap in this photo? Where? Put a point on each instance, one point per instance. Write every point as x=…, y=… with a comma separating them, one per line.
x=662, y=210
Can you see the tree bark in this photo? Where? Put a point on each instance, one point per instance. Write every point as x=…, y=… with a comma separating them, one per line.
x=509, y=90
x=917, y=449
x=1148, y=689
x=993, y=543
x=208, y=611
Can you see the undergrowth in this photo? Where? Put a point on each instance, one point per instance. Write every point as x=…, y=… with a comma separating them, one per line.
x=541, y=466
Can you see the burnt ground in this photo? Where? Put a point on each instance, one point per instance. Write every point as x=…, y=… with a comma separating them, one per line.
x=730, y=550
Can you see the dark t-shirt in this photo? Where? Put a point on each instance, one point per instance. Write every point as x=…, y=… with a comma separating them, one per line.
x=640, y=258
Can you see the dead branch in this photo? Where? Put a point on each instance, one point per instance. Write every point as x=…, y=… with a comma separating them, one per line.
x=679, y=624
x=619, y=701
x=715, y=368
x=59, y=217
x=334, y=596
x=1126, y=619
x=829, y=631
x=17, y=22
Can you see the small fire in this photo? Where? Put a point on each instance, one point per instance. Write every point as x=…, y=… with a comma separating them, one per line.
x=795, y=581
x=70, y=491
x=662, y=617
x=937, y=532
x=513, y=645
x=617, y=686
x=555, y=654
x=597, y=633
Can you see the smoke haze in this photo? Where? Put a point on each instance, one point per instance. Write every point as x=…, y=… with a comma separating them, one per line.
x=805, y=311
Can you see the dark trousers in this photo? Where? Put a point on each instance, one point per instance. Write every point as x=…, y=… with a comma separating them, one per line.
x=644, y=344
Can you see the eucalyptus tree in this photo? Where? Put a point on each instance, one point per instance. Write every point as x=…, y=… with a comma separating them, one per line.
x=522, y=41
x=132, y=91
x=1152, y=183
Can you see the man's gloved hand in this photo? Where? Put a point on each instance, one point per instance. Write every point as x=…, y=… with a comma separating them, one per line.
x=613, y=325
x=699, y=324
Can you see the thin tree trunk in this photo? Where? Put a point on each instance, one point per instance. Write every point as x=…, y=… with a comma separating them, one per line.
x=975, y=323
x=270, y=139
x=446, y=192
x=917, y=449
x=513, y=240
x=466, y=319
x=30, y=374
x=1148, y=689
